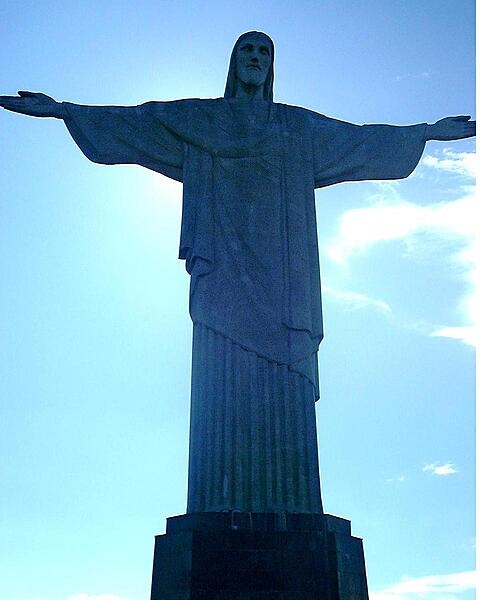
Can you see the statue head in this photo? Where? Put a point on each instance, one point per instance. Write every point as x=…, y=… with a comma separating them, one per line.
x=251, y=64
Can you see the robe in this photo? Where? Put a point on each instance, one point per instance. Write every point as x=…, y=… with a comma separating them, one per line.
x=249, y=241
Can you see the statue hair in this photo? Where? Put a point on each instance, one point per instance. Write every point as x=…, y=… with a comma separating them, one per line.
x=232, y=80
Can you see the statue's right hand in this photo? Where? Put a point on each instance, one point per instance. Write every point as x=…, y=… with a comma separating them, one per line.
x=34, y=104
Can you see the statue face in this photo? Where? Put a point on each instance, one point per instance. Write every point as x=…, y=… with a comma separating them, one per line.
x=253, y=60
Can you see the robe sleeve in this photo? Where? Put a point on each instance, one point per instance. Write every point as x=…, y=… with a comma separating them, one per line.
x=347, y=152
x=126, y=135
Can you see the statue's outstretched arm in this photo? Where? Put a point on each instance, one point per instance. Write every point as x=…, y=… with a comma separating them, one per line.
x=113, y=135
x=451, y=128
x=34, y=104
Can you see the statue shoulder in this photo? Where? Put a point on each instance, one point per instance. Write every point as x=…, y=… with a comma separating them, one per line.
x=305, y=116
x=184, y=105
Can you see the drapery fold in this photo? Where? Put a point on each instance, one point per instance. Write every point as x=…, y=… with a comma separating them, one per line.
x=253, y=442
x=249, y=241
x=248, y=233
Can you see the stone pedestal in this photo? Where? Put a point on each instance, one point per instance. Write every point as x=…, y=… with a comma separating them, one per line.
x=258, y=556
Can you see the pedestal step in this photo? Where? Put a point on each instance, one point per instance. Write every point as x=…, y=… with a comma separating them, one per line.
x=258, y=556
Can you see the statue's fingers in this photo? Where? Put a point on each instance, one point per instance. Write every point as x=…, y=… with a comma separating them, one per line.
x=6, y=99
x=16, y=104
x=462, y=118
x=10, y=101
x=11, y=107
x=26, y=93
x=468, y=129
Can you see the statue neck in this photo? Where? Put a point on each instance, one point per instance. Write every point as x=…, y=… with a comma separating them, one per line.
x=249, y=92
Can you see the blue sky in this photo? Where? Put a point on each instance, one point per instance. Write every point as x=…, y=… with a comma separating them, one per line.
x=95, y=335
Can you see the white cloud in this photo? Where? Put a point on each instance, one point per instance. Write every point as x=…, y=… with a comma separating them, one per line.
x=445, y=469
x=458, y=163
x=355, y=300
x=469, y=334
x=419, y=75
x=398, y=479
x=450, y=229
x=393, y=219
x=432, y=587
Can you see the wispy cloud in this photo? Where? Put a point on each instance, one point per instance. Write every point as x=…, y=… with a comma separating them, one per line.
x=391, y=218
x=419, y=75
x=458, y=163
x=469, y=334
x=356, y=301
x=397, y=479
x=432, y=587
x=442, y=470
x=451, y=226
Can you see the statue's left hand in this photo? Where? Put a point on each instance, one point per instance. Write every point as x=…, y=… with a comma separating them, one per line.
x=452, y=128
x=34, y=104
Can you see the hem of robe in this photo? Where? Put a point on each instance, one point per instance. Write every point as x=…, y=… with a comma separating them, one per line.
x=253, y=437
x=306, y=367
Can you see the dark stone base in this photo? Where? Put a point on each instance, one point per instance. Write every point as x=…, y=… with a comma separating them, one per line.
x=258, y=556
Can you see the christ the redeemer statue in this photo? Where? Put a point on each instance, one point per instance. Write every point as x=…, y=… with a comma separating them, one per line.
x=249, y=167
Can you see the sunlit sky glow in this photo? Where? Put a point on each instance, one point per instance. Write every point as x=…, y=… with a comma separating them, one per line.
x=94, y=329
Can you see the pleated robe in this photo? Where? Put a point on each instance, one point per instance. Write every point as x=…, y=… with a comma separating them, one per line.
x=249, y=170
